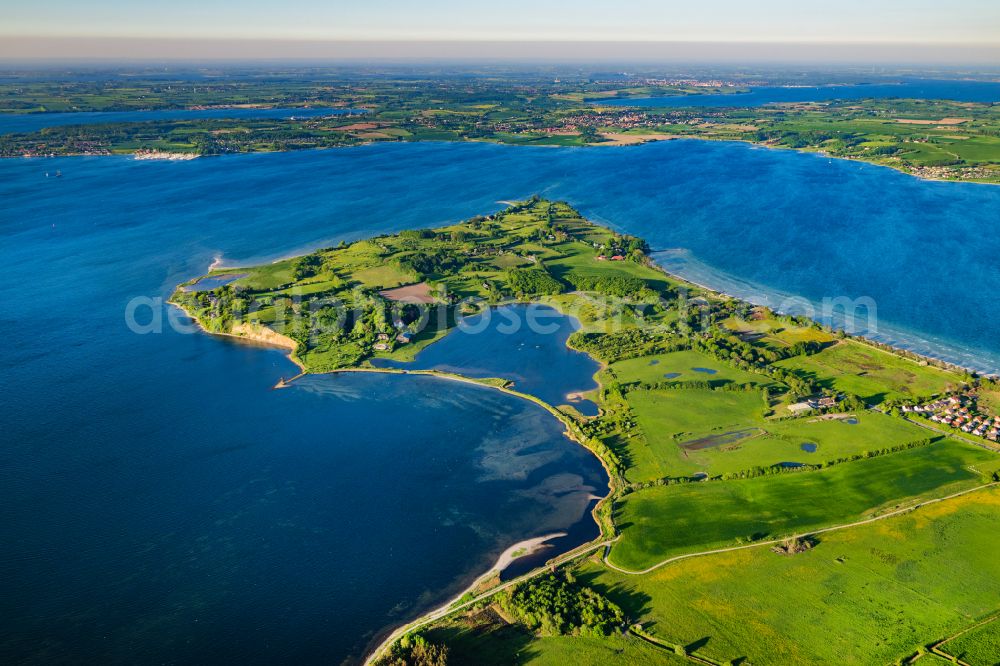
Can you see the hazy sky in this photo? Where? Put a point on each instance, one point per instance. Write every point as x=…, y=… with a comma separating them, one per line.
x=955, y=22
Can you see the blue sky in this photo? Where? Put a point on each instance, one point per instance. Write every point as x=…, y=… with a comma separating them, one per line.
x=873, y=21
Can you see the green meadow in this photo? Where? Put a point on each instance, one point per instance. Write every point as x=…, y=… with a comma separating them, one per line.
x=680, y=366
x=672, y=422
x=868, y=595
x=664, y=521
x=979, y=646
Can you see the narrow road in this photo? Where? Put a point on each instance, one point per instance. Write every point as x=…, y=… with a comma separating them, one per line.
x=758, y=544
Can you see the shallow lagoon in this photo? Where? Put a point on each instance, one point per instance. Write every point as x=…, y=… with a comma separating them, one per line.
x=523, y=343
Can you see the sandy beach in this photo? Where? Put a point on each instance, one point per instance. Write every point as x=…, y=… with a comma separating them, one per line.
x=520, y=549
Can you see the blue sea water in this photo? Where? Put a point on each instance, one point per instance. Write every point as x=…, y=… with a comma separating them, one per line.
x=523, y=343
x=14, y=123
x=162, y=503
x=960, y=91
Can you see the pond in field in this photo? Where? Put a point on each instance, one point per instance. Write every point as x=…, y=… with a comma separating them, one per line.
x=809, y=447
x=713, y=441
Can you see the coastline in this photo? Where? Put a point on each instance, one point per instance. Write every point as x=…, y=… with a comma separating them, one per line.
x=521, y=549
x=572, y=431
x=273, y=341
x=190, y=156
x=894, y=339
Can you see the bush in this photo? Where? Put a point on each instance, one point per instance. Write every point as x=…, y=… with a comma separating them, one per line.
x=532, y=282
x=558, y=605
x=609, y=285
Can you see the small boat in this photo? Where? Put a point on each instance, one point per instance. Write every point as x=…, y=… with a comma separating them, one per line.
x=58, y=174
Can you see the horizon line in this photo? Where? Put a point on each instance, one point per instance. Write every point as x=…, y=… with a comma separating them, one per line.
x=51, y=48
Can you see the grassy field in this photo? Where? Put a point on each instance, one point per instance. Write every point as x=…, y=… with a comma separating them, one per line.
x=777, y=333
x=977, y=647
x=680, y=367
x=659, y=522
x=870, y=373
x=673, y=421
x=668, y=417
x=868, y=595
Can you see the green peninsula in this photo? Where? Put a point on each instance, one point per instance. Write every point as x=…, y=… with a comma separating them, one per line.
x=391, y=295
x=779, y=492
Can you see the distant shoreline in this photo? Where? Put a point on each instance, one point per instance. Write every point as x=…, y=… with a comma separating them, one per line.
x=640, y=141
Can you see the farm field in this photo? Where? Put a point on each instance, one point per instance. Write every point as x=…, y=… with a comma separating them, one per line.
x=979, y=646
x=663, y=521
x=692, y=431
x=867, y=595
x=869, y=373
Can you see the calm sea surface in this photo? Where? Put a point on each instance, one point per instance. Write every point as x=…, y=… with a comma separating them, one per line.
x=12, y=123
x=163, y=504
x=960, y=91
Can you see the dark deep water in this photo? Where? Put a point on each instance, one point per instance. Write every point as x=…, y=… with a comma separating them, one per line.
x=163, y=505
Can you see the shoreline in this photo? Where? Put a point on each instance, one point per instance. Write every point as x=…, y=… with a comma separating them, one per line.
x=262, y=341
x=132, y=154
x=896, y=346
x=506, y=558
x=521, y=549
x=572, y=432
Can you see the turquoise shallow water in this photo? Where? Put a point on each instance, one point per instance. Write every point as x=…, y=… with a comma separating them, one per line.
x=162, y=503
